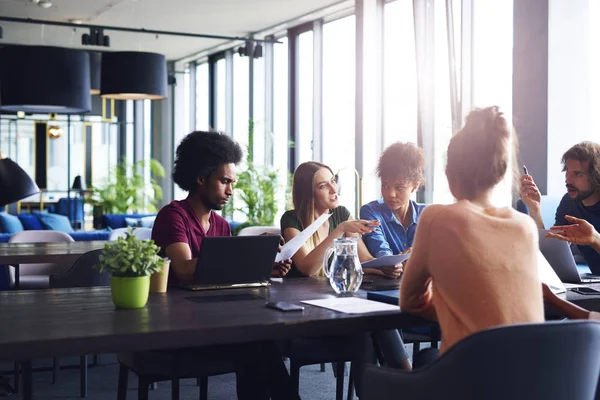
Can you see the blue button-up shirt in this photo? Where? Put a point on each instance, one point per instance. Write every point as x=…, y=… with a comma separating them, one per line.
x=390, y=237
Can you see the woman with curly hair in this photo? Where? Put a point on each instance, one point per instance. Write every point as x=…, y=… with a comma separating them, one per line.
x=401, y=170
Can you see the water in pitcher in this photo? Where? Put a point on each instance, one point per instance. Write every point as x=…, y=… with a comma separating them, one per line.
x=343, y=269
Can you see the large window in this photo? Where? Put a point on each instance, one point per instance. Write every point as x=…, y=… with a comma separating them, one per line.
x=400, y=74
x=339, y=79
x=263, y=146
x=305, y=97
x=240, y=100
x=202, y=97
x=492, y=67
x=279, y=136
x=442, y=106
x=221, y=95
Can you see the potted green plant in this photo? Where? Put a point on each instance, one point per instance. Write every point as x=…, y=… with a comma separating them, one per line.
x=130, y=261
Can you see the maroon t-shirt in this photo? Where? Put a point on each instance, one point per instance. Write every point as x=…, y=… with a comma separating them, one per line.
x=178, y=223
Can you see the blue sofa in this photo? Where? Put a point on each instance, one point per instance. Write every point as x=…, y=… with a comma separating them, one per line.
x=9, y=224
x=115, y=221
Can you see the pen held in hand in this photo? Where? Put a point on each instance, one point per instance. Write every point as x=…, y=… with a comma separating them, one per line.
x=525, y=170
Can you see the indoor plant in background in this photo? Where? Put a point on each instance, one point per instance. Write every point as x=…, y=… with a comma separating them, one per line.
x=255, y=192
x=130, y=261
x=125, y=191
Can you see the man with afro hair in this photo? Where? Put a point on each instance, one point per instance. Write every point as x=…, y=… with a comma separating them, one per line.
x=205, y=167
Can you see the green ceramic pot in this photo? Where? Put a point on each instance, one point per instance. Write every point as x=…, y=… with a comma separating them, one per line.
x=130, y=292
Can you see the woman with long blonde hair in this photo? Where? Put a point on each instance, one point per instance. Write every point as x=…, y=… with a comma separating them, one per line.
x=314, y=193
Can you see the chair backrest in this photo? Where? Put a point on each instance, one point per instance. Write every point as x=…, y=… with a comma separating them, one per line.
x=39, y=236
x=259, y=230
x=140, y=233
x=43, y=236
x=71, y=207
x=554, y=360
x=82, y=273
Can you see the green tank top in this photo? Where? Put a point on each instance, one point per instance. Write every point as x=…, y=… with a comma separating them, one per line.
x=290, y=220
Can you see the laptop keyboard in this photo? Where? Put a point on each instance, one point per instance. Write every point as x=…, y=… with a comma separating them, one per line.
x=588, y=278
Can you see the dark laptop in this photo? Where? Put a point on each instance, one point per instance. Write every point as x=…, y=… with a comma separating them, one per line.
x=230, y=262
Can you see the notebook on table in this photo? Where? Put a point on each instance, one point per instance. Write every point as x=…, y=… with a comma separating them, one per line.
x=232, y=262
x=385, y=296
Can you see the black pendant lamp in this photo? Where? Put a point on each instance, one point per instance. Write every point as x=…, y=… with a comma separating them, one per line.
x=95, y=71
x=15, y=184
x=132, y=75
x=43, y=79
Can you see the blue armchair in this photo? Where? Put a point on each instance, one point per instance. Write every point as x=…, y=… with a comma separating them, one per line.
x=72, y=208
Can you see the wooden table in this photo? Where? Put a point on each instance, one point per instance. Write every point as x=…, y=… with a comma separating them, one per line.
x=46, y=323
x=31, y=253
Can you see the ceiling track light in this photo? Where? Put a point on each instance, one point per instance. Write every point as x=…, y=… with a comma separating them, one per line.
x=249, y=49
x=96, y=37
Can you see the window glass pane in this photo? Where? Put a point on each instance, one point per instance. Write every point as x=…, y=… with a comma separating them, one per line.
x=443, y=113
x=129, y=132
x=240, y=100
x=261, y=144
x=400, y=74
x=25, y=146
x=280, y=115
x=104, y=145
x=339, y=104
x=77, y=155
x=148, y=140
x=305, y=97
x=17, y=143
x=492, y=67
x=221, y=93
x=202, y=97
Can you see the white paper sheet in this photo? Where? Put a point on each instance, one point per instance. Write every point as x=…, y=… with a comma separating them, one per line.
x=548, y=276
x=294, y=245
x=385, y=261
x=352, y=305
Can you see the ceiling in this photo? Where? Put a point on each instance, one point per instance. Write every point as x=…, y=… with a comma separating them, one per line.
x=219, y=17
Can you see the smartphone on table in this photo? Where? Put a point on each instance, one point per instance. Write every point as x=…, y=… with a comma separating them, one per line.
x=284, y=306
x=585, y=290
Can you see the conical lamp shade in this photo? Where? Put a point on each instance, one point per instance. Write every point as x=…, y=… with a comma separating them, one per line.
x=79, y=184
x=132, y=75
x=15, y=184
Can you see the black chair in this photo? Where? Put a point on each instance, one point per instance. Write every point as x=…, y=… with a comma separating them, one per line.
x=172, y=365
x=81, y=274
x=310, y=351
x=550, y=361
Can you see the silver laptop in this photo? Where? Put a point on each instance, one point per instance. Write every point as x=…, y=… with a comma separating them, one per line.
x=234, y=262
x=559, y=256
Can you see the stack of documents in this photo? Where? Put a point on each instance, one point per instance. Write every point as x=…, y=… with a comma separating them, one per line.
x=352, y=305
x=386, y=261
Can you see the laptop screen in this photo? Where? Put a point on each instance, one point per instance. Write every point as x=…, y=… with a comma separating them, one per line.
x=236, y=259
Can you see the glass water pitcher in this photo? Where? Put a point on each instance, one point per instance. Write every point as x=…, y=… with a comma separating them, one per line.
x=343, y=269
